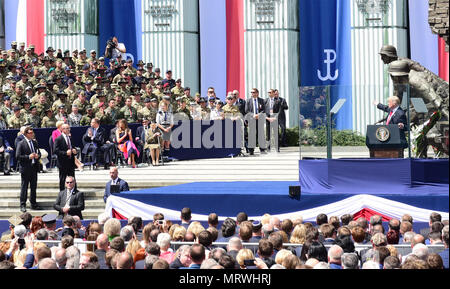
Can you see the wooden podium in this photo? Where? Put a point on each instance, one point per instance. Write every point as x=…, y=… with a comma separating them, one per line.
x=385, y=141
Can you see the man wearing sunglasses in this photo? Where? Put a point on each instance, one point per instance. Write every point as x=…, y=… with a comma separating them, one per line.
x=28, y=155
x=70, y=201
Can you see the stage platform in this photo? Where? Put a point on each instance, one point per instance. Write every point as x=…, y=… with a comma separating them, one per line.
x=389, y=187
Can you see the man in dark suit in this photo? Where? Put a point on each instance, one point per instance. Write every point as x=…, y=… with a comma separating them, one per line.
x=28, y=156
x=280, y=108
x=70, y=201
x=95, y=139
x=396, y=115
x=116, y=181
x=140, y=137
x=434, y=217
x=254, y=110
x=66, y=155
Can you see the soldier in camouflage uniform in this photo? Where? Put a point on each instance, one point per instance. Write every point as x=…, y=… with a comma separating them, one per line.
x=102, y=115
x=130, y=69
x=42, y=105
x=86, y=119
x=6, y=109
x=49, y=119
x=158, y=91
x=183, y=109
x=33, y=119
x=62, y=100
x=128, y=112
x=177, y=90
x=81, y=61
x=145, y=112
x=230, y=110
x=17, y=120
x=204, y=110
x=149, y=73
x=71, y=91
x=113, y=111
x=81, y=102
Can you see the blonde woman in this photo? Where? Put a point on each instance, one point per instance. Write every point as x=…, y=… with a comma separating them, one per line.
x=195, y=228
x=244, y=254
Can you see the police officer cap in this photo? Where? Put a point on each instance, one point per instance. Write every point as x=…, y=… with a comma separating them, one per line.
x=153, y=100
x=49, y=218
x=16, y=108
x=6, y=97
x=157, y=69
x=86, y=67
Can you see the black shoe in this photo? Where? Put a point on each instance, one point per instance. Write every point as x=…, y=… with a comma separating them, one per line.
x=36, y=207
x=106, y=167
x=7, y=173
x=23, y=209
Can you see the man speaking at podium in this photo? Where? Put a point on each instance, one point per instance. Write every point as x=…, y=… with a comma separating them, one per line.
x=396, y=115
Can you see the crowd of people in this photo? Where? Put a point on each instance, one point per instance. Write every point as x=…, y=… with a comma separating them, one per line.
x=239, y=243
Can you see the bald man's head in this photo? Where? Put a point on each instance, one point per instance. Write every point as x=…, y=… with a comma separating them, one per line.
x=124, y=261
x=102, y=241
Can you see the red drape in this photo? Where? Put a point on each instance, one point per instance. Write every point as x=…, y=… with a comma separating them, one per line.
x=235, y=46
x=35, y=25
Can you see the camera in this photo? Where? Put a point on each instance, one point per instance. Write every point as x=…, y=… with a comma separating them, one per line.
x=249, y=262
x=160, y=222
x=111, y=43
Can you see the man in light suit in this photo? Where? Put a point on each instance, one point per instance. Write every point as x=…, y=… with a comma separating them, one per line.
x=28, y=156
x=66, y=155
x=70, y=201
x=115, y=180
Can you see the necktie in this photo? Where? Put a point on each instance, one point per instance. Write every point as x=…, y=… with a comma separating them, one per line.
x=165, y=116
x=68, y=198
x=389, y=117
x=95, y=132
x=271, y=103
x=255, y=105
x=32, y=150
x=68, y=143
x=31, y=146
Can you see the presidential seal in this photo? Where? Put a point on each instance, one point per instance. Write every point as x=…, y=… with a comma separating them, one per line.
x=382, y=134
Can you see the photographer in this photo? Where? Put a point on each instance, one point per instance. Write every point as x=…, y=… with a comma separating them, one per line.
x=114, y=49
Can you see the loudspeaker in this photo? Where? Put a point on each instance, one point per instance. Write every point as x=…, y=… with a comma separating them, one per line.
x=294, y=192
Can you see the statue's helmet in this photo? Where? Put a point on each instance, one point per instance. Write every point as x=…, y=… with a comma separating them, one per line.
x=389, y=50
x=399, y=68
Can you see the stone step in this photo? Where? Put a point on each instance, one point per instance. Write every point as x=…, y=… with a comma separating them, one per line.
x=87, y=213
x=48, y=203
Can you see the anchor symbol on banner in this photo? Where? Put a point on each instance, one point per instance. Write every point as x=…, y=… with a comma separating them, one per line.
x=328, y=62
